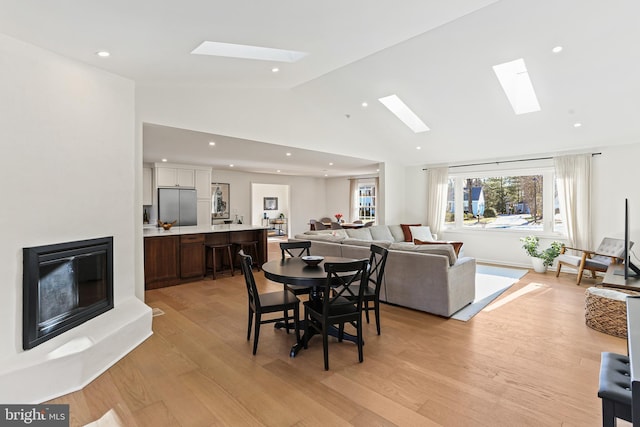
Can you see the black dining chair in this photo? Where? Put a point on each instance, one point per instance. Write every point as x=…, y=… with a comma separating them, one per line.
x=339, y=307
x=296, y=249
x=271, y=302
x=319, y=226
x=377, y=262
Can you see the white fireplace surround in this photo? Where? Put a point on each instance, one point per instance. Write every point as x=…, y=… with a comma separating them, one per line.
x=70, y=361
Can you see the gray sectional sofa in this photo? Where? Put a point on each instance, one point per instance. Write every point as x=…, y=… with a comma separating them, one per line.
x=429, y=278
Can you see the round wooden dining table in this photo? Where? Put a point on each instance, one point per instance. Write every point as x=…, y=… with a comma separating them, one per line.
x=294, y=271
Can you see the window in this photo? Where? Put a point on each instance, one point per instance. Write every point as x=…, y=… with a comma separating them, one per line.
x=521, y=200
x=367, y=201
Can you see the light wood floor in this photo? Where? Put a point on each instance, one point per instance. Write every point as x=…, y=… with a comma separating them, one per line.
x=529, y=361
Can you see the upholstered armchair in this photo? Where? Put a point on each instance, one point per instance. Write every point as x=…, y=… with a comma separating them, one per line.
x=610, y=251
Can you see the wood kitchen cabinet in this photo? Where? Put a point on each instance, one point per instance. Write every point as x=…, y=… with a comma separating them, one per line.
x=173, y=259
x=161, y=261
x=192, y=263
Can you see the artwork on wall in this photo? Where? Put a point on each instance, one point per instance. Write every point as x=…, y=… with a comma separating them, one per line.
x=220, y=208
x=270, y=203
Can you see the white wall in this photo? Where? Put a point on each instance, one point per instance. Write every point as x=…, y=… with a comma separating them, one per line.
x=70, y=172
x=307, y=195
x=337, y=199
x=392, y=197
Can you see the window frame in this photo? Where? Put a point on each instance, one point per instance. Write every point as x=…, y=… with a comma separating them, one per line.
x=374, y=206
x=548, y=207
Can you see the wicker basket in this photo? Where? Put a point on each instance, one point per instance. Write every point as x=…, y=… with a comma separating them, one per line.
x=606, y=310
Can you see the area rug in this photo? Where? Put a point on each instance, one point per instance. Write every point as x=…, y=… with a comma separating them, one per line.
x=491, y=282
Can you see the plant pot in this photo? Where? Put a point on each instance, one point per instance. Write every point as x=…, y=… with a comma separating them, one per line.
x=538, y=265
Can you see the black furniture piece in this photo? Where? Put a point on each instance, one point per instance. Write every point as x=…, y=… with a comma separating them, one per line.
x=212, y=248
x=339, y=305
x=250, y=248
x=271, y=302
x=294, y=271
x=377, y=262
x=296, y=249
x=615, y=388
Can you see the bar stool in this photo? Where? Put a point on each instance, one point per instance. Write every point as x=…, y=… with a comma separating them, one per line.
x=250, y=248
x=213, y=248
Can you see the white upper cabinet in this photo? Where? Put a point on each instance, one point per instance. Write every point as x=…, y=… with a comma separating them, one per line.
x=147, y=186
x=175, y=177
x=203, y=183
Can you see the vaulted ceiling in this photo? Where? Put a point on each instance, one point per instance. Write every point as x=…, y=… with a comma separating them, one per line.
x=437, y=56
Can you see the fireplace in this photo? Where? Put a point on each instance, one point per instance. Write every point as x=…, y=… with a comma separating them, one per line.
x=64, y=285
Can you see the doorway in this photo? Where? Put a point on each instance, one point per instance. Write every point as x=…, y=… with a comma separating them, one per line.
x=270, y=207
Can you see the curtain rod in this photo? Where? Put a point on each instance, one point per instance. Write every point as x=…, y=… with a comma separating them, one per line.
x=505, y=161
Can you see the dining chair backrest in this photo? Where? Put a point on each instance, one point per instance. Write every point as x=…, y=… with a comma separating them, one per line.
x=344, y=289
x=320, y=226
x=368, y=224
x=377, y=262
x=357, y=221
x=252, y=290
x=295, y=249
x=335, y=225
x=325, y=219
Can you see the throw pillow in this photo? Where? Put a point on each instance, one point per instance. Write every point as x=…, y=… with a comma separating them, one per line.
x=407, y=231
x=421, y=233
x=456, y=245
x=381, y=232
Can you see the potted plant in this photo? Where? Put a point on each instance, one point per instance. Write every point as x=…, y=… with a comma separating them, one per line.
x=541, y=259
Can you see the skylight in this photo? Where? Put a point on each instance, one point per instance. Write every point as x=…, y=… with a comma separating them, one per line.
x=247, y=52
x=404, y=113
x=514, y=78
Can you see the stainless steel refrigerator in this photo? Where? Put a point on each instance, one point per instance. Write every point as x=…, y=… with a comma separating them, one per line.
x=178, y=204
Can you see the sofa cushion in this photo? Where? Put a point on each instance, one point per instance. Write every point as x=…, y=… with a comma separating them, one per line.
x=339, y=233
x=456, y=245
x=407, y=231
x=446, y=250
x=320, y=237
x=359, y=233
x=366, y=243
x=396, y=232
x=381, y=232
x=421, y=233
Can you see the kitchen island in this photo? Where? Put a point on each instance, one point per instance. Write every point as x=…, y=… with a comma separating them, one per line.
x=179, y=255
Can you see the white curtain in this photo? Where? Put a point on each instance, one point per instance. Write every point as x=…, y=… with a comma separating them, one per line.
x=437, y=183
x=573, y=174
x=353, y=200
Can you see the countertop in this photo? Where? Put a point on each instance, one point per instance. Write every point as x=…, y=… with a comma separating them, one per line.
x=218, y=228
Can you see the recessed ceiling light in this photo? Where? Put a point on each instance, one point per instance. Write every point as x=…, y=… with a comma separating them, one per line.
x=365, y=104
x=326, y=174
x=231, y=165
x=231, y=50
x=330, y=163
x=164, y=160
x=404, y=113
x=275, y=70
x=278, y=171
x=515, y=82
x=418, y=148
x=212, y=143
x=557, y=49
x=103, y=54
x=288, y=154
x=577, y=125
